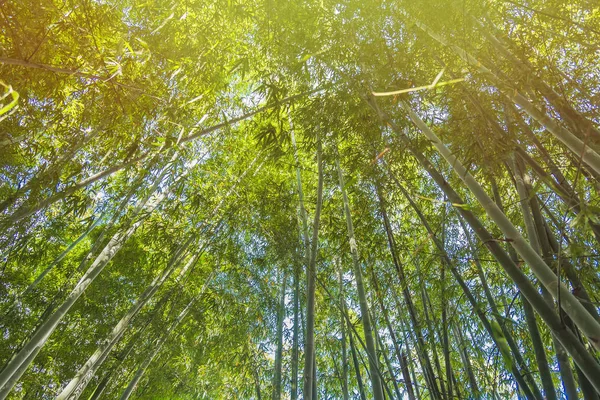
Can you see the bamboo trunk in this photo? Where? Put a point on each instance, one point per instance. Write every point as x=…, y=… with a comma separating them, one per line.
x=279, y=351
x=575, y=349
x=364, y=309
x=309, y=347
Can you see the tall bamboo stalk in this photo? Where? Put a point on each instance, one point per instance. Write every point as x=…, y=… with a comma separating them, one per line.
x=587, y=363
x=309, y=345
x=581, y=317
x=279, y=351
x=364, y=309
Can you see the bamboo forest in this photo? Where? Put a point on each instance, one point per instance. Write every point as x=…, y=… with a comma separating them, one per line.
x=316, y=199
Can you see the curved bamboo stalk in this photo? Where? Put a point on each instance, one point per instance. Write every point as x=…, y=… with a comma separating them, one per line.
x=581, y=317
x=579, y=353
x=576, y=145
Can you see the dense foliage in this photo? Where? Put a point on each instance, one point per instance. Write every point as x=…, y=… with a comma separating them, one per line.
x=314, y=199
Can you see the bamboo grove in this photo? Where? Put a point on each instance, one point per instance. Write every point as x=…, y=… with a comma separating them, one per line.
x=300, y=200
